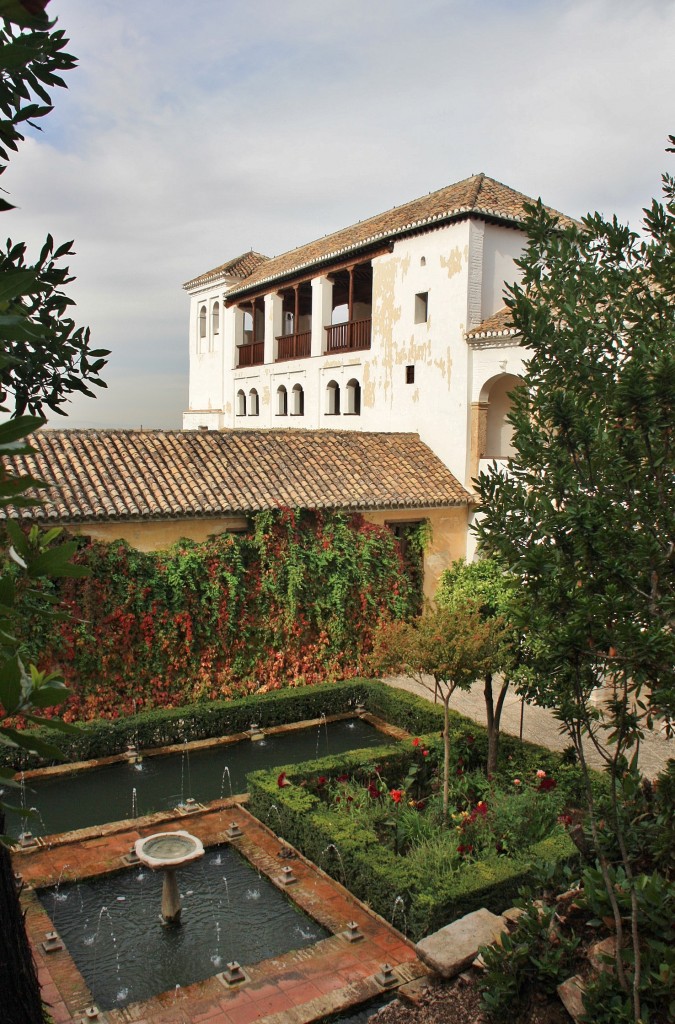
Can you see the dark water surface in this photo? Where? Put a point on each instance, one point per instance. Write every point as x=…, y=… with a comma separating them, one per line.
x=123, y=790
x=112, y=929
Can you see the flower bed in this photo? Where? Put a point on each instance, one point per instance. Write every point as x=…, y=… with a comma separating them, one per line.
x=374, y=821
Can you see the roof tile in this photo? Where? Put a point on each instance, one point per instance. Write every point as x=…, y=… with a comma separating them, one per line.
x=478, y=195
x=498, y=324
x=114, y=475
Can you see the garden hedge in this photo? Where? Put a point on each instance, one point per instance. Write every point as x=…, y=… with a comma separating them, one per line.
x=370, y=870
x=203, y=720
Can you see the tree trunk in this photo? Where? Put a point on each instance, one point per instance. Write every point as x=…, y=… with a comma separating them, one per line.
x=493, y=715
x=19, y=986
x=446, y=752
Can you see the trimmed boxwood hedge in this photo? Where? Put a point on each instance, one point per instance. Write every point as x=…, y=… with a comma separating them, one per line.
x=204, y=720
x=373, y=872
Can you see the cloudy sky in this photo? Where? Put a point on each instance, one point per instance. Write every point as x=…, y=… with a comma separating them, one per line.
x=193, y=132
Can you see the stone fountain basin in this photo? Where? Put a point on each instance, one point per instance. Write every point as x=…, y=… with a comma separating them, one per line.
x=169, y=849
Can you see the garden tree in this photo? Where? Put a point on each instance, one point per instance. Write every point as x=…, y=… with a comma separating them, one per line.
x=43, y=359
x=585, y=513
x=451, y=646
x=486, y=584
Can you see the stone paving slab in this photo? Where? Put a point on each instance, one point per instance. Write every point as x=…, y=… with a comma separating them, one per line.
x=452, y=948
x=295, y=988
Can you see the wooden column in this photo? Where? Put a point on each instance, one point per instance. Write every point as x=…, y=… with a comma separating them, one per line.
x=478, y=437
x=350, y=313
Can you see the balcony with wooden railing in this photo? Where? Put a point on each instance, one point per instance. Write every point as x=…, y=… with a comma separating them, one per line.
x=251, y=354
x=294, y=346
x=354, y=335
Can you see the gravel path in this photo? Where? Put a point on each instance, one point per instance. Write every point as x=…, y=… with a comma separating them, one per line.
x=538, y=724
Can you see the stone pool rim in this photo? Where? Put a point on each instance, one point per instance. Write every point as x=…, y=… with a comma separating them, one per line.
x=349, y=981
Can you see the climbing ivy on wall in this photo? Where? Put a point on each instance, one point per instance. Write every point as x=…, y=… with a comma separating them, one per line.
x=293, y=602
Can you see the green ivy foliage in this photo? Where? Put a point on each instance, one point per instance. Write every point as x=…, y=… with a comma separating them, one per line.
x=292, y=603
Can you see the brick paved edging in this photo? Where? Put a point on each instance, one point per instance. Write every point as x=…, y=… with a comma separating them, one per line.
x=296, y=988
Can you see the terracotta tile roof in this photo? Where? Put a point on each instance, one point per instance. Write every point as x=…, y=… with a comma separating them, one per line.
x=475, y=196
x=495, y=326
x=107, y=475
x=240, y=266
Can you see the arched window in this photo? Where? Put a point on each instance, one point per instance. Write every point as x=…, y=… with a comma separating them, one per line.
x=202, y=322
x=297, y=401
x=354, y=398
x=241, y=403
x=333, y=398
x=253, y=406
x=282, y=401
x=499, y=431
x=215, y=317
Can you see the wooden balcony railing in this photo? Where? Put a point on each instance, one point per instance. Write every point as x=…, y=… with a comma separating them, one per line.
x=294, y=346
x=252, y=354
x=355, y=334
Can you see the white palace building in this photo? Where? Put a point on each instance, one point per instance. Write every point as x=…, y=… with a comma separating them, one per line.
x=368, y=371
x=394, y=324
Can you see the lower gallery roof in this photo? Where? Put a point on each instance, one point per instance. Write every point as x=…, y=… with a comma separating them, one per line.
x=115, y=475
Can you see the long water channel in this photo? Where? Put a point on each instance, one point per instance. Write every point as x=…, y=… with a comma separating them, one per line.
x=123, y=790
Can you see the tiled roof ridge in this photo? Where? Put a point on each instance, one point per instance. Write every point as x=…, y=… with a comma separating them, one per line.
x=497, y=325
x=99, y=475
x=476, y=201
x=241, y=266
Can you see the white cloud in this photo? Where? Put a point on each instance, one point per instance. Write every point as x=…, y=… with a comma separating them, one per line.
x=189, y=135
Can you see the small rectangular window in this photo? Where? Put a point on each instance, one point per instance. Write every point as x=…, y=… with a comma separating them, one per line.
x=410, y=374
x=421, y=307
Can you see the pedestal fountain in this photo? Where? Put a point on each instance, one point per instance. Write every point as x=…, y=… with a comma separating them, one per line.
x=168, y=851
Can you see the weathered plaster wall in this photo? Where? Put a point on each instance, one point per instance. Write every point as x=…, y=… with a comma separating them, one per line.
x=447, y=543
x=155, y=536
x=463, y=268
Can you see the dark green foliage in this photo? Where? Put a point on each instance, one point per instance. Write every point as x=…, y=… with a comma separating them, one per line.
x=585, y=514
x=532, y=958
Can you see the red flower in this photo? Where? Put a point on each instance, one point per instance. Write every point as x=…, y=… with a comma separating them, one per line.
x=416, y=742
x=396, y=795
x=282, y=781
x=425, y=753
x=470, y=740
x=321, y=781
x=547, y=784
x=373, y=791
x=343, y=778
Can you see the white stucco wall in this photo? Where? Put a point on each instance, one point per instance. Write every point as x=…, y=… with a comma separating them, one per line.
x=462, y=267
x=501, y=246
